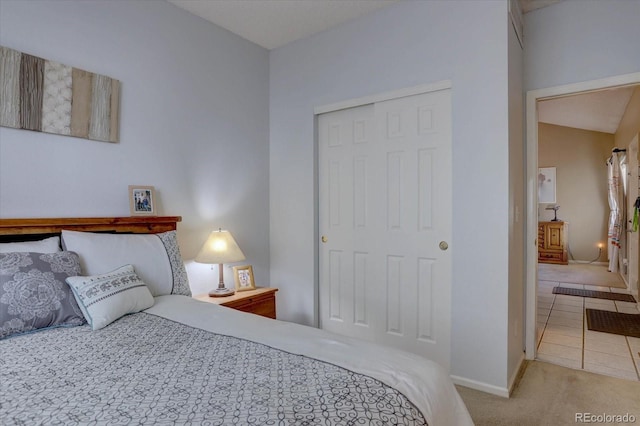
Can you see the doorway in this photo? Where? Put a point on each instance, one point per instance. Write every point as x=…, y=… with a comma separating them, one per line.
x=533, y=97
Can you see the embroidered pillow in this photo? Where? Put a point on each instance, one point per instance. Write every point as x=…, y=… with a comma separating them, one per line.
x=33, y=292
x=105, y=298
x=48, y=245
x=155, y=257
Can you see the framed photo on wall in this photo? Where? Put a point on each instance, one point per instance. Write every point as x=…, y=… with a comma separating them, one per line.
x=142, y=200
x=547, y=185
x=244, y=278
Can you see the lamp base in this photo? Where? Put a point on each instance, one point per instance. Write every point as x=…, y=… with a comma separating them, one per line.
x=221, y=292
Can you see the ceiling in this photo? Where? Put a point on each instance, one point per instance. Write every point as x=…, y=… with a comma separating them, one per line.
x=274, y=23
x=599, y=111
x=529, y=5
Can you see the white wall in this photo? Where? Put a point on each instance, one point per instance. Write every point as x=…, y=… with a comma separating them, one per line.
x=194, y=123
x=574, y=41
x=404, y=45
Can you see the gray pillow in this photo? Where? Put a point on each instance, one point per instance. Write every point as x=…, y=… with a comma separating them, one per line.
x=34, y=294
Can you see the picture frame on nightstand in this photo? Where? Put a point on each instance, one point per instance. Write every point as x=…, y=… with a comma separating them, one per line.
x=244, y=278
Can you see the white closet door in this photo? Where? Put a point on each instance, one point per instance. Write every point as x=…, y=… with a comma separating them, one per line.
x=385, y=223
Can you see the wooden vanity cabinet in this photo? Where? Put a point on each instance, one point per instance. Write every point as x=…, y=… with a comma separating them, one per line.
x=553, y=242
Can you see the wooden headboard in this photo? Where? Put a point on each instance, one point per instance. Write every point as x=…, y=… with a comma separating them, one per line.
x=25, y=229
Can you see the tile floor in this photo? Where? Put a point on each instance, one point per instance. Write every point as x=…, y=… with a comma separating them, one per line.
x=563, y=337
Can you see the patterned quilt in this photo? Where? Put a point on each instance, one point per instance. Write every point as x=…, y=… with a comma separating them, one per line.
x=145, y=369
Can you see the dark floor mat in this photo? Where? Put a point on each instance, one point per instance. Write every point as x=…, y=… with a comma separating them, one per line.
x=620, y=297
x=613, y=322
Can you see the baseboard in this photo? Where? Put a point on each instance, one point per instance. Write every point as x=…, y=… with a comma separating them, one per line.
x=517, y=374
x=492, y=389
x=626, y=282
x=590, y=263
x=481, y=386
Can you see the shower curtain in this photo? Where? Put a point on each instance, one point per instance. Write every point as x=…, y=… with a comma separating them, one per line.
x=616, y=216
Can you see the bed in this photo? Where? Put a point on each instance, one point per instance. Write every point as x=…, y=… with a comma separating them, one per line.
x=128, y=345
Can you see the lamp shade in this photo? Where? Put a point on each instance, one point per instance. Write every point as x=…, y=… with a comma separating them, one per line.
x=220, y=247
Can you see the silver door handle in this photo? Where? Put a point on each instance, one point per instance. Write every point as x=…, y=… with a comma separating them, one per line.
x=443, y=245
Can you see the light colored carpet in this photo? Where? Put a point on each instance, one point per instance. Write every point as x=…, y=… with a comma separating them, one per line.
x=548, y=394
x=580, y=273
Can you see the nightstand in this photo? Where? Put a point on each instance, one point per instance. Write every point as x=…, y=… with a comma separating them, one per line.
x=261, y=301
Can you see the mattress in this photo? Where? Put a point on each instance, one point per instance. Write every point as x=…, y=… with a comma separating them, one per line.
x=188, y=362
x=171, y=359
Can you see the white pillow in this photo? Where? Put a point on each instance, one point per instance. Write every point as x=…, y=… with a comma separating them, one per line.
x=155, y=257
x=48, y=245
x=105, y=298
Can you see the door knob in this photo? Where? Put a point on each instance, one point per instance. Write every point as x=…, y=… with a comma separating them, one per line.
x=443, y=245
x=324, y=239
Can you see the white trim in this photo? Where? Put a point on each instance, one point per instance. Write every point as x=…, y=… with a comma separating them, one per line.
x=531, y=243
x=531, y=248
x=516, y=373
x=586, y=262
x=385, y=96
x=515, y=12
x=585, y=86
x=492, y=389
x=481, y=386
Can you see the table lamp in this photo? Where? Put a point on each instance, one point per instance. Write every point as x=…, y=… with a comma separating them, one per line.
x=555, y=212
x=220, y=248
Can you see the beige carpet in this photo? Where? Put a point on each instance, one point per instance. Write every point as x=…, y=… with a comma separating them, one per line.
x=548, y=394
x=580, y=273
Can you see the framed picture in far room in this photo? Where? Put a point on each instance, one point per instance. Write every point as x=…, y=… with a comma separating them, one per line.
x=547, y=185
x=142, y=200
x=244, y=278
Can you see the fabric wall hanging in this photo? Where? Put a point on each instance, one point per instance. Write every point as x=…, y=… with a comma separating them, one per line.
x=46, y=96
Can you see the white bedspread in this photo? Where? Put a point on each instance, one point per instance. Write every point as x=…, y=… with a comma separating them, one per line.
x=422, y=381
